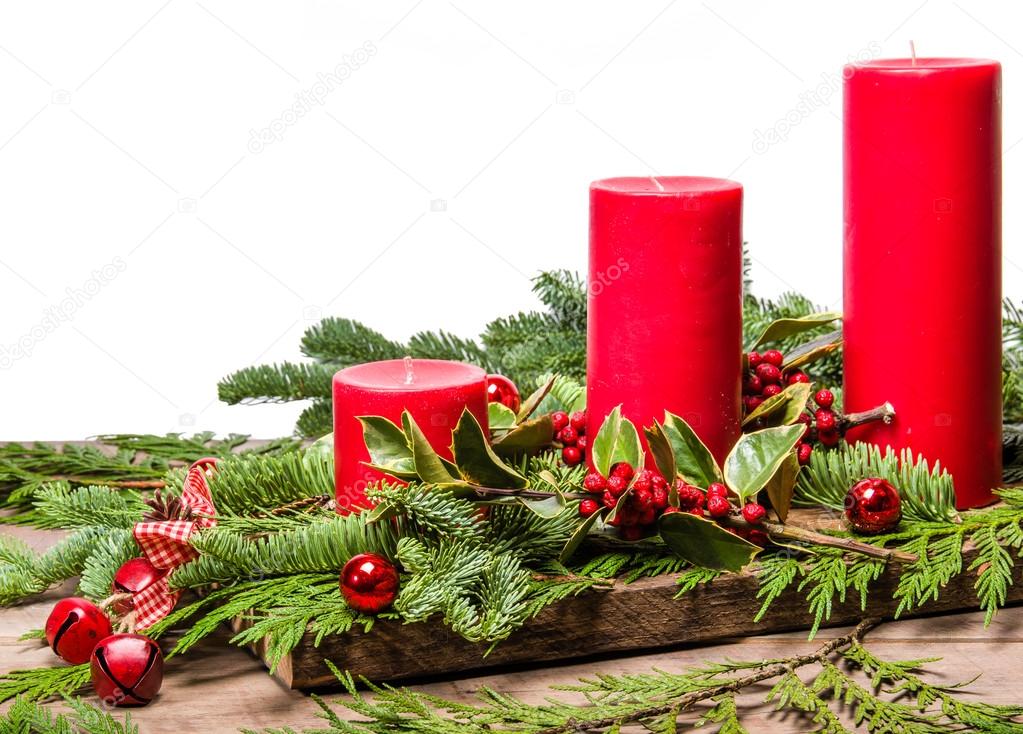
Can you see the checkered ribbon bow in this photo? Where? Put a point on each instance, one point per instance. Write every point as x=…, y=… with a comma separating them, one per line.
x=166, y=545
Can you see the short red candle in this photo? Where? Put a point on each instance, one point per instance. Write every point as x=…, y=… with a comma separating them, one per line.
x=923, y=261
x=665, y=304
x=434, y=391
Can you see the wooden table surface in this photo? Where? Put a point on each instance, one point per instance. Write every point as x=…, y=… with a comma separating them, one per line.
x=220, y=688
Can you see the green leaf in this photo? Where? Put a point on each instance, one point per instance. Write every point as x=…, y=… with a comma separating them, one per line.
x=429, y=466
x=476, y=461
x=617, y=440
x=388, y=447
x=782, y=409
x=660, y=448
x=756, y=457
x=782, y=328
x=782, y=486
x=693, y=460
x=546, y=508
x=577, y=538
x=705, y=543
x=528, y=437
x=500, y=417
x=812, y=351
x=531, y=403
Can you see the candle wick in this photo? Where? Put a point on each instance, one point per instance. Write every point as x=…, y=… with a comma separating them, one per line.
x=410, y=375
x=912, y=51
x=657, y=183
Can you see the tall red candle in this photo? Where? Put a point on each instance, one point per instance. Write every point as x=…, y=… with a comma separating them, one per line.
x=923, y=261
x=665, y=304
x=435, y=392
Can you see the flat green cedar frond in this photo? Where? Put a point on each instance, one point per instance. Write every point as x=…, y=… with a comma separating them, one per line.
x=39, y=684
x=993, y=565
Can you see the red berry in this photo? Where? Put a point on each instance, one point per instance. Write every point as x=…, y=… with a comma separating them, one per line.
x=126, y=670
x=631, y=532
x=768, y=373
x=502, y=390
x=659, y=482
x=369, y=583
x=568, y=436
x=609, y=500
x=698, y=511
x=623, y=470
x=873, y=506
x=594, y=482
x=798, y=376
x=758, y=537
x=132, y=577
x=582, y=443
x=627, y=515
x=754, y=359
x=754, y=403
x=559, y=419
x=752, y=385
x=74, y=627
x=773, y=356
x=753, y=513
x=670, y=509
x=718, y=506
x=803, y=453
x=690, y=497
x=824, y=398
x=644, y=480
x=578, y=421
x=571, y=455
x=642, y=499
x=771, y=390
x=717, y=489
x=660, y=497
x=648, y=516
x=616, y=485
x=825, y=419
x=829, y=438
x=588, y=507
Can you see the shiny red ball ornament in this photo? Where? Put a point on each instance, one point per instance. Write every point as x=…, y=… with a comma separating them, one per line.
x=502, y=390
x=74, y=627
x=132, y=577
x=873, y=506
x=127, y=670
x=369, y=583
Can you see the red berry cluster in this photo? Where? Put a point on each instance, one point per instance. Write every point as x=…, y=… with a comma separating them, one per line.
x=821, y=425
x=649, y=499
x=570, y=432
x=765, y=378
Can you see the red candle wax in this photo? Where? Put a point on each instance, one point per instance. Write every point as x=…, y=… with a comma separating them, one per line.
x=665, y=304
x=923, y=261
x=434, y=391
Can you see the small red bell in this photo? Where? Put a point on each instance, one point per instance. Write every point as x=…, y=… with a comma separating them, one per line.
x=132, y=577
x=127, y=670
x=74, y=627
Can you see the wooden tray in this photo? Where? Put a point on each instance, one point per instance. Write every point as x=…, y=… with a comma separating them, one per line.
x=597, y=622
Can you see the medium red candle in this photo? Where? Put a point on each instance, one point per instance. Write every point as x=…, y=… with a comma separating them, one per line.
x=923, y=261
x=434, y=391
x=665, y=304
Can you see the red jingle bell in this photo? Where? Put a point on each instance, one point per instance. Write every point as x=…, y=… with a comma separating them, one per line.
x=127, y=670
x=369, y=583
x=873, y=506
x=132, y=577
x=502, y=390
x=74, y=627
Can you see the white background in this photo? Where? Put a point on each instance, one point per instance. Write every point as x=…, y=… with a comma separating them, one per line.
x=423, y=192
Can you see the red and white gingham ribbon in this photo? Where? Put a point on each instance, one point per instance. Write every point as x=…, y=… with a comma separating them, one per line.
x=166, y=546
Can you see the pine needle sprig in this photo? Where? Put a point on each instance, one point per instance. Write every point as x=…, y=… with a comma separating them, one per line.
x=57, y=505
x=250, y=485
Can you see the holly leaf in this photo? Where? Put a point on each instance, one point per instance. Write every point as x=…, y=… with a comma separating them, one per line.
x=500, y=417
x=693, y=460
x=388, y=447
x=782, y=328
x=705, y=543
x=756, y=457
x=577, y=538
x=617, y=440
x=528, y=437
x=548, y=507
x=782, y=485
x=813, y=351
x=476, y=461
x=782, y=409
x=430, y=467
x=661, y=450
x=530, y=404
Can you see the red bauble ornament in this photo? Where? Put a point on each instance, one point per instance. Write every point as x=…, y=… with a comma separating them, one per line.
x=127, y=670
x=369, y=583
x=873, y=506
x=502, y=390
x=132, y=577
x=74, y=627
